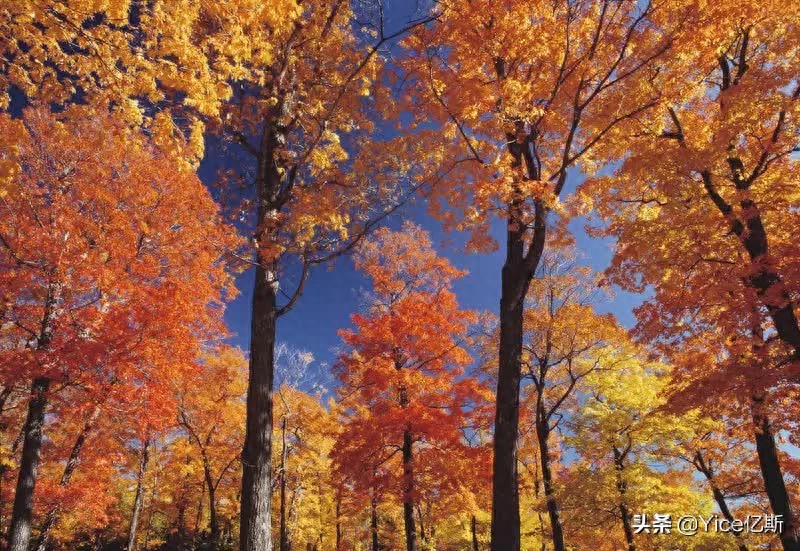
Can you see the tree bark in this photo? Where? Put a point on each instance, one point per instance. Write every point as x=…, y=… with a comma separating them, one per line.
x=69, y=468
x=764, y=278
x=212, y=506
x=374, y=522
x=772, y=475
x=284, y=540
x=148, y=527
x=622, y=489
x=338, y=521
x=139, y=499
x=518, y=270
x=705, y=469
x=199, y=516
x=408, y=492
x=543, y=436
x=505, y=492
x=20, y=529
x=474, y=530
x=256, y=531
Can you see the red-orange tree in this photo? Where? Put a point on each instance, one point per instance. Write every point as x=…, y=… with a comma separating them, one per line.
x=403, y=387
x=110, y=268
x=524, y=92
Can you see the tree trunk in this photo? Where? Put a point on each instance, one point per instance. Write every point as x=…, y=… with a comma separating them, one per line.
x=20, y=530
x=338, y=521
x=212, y=506
x=69, y=468
x=518, y=270
x=474, y=530
x=199, y=517
x=137, y=502
x=773, y=477
x=764, y=277
x=149, y=525
x=543, y=435
x=256, y=531
x=622, y=489
x=284, y=540
x=505, y=496
x=719, y=497
x=408, y=492
x=374, y=522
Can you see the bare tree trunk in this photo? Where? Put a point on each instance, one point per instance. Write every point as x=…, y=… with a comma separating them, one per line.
x=408, y=492
x=474, y=529
x=69, y=468
x=706, y=470
x=20, y=530
x=374, y=521
x=543, y=434
x=772, y=475
x=199, y=517
x=505, y=491
x=338, y=521
x=150, y=512
x=284, y=540
x=137, y=502
x=622, y=489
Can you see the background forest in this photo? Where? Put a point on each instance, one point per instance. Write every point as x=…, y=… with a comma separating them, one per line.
x=331, y=275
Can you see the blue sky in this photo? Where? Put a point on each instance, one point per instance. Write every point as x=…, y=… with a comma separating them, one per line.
x=332, y=295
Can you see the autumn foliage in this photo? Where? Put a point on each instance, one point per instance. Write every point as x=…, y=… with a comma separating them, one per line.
x=563, y=312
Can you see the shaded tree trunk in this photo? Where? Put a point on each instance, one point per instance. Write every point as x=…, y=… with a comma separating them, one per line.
x=20, y=529
x=338, y=521
x=719, y=498
x=408, y=493
x=543, y=436
x=69, y=468
x=374, y=522
x=772, y=475
x=474, y=530
x=212, y=506
x=199, y=517
x=284, y=540
x=149, y=525
x=139, y=499
x=622, y=489
x=518, y=270
x=505, y=492
x=256, y=532
x=764, y=278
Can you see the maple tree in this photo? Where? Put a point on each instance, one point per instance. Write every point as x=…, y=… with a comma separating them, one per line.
x=105, y=246
x=403, y=377
x=213, y=421
x=168, y=66
x=124, y=406
x=523, y=93
x=306, y=200
x=624, y=442
x=717, y=205
x=565, y=341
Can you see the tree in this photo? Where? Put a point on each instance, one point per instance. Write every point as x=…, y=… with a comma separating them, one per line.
x=627, y=446
x=552, y=86
x=403, y=386
x=157, y=63
x=110, y=268
x=709, y=171
x=306, y=433
x=211, y=412
x=565, y=341
x=305, y=199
